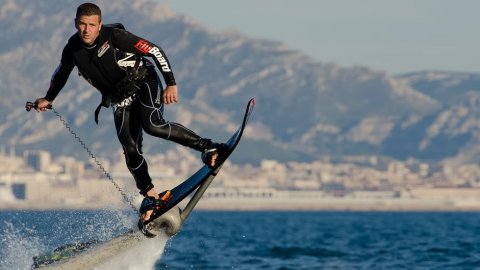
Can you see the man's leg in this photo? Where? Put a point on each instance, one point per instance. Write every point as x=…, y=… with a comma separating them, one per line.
x=129, y=133
x=151, y=107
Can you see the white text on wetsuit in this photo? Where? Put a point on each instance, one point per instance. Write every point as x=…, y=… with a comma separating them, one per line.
x=145, y=47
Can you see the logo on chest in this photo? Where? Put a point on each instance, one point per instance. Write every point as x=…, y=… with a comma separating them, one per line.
x=103, y=49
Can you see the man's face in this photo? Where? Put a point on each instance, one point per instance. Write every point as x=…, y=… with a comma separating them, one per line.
x=88, y=28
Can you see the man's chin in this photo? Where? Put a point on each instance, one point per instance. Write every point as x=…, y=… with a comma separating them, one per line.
x=87, y=41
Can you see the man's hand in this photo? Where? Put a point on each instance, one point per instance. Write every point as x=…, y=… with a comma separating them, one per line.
x=170, y=94
x=42, y=104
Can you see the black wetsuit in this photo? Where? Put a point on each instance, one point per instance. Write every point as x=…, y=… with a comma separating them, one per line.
x=137, y=101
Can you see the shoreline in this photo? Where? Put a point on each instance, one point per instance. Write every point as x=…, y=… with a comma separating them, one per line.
x=282, y=204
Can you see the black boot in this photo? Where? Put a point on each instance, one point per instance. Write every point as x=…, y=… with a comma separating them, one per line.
x=150, y=203
x=219, y=149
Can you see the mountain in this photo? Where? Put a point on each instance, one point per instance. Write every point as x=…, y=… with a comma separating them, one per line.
x=453, y=133
x=306, y=110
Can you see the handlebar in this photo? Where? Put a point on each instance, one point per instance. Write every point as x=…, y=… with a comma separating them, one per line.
x=29, y=105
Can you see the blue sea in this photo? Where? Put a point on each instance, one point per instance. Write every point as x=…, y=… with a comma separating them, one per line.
x=265, y=240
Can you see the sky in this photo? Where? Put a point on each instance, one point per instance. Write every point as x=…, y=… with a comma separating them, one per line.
x=397, y=36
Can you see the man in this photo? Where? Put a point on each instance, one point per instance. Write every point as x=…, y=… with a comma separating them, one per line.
x=113, y=61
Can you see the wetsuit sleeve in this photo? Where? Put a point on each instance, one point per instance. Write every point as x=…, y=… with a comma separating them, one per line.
x=130, y=43
x=61, y=74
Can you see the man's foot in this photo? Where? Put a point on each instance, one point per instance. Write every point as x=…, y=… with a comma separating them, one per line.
x=214, y=154
x=151, y=204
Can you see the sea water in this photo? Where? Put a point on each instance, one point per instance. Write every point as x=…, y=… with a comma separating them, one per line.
x=260, y=240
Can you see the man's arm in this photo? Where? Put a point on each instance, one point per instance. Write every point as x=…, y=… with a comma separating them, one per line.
x=61, y=74
x=58, y=80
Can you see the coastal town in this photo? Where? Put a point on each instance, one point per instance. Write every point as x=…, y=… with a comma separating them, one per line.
x=37, y=180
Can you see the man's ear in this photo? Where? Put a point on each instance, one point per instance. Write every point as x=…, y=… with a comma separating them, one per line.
x=75, y=22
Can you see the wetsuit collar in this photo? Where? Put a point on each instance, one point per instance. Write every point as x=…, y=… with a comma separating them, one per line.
x=89, y=47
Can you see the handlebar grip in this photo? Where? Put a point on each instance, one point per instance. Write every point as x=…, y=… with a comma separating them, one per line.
x=29, y=105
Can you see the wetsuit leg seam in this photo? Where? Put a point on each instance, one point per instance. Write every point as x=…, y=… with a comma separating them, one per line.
x=123, y=121
x=136, y=168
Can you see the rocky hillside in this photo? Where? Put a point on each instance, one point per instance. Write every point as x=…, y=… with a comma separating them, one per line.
x=306, y=109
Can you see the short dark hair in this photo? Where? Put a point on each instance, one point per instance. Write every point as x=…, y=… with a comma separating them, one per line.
x=88, y=9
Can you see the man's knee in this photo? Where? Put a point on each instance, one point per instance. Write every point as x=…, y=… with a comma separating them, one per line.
x=159, y=128
x=133, y=155
x=131, y=150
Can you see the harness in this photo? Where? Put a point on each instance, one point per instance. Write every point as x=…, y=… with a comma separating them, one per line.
x=126, y=89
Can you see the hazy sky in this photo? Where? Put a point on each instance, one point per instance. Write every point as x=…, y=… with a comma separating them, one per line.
x=395, y=36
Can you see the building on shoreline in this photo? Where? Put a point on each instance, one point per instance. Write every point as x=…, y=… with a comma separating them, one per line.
x=36, y=180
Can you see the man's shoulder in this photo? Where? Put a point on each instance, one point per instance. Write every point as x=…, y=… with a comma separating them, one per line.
x=73, y=40
x=115, y=29
x=114, y=26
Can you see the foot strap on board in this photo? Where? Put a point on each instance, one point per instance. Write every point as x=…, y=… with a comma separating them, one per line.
x=218, y=149
x=150, y=203
x=153, y=204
